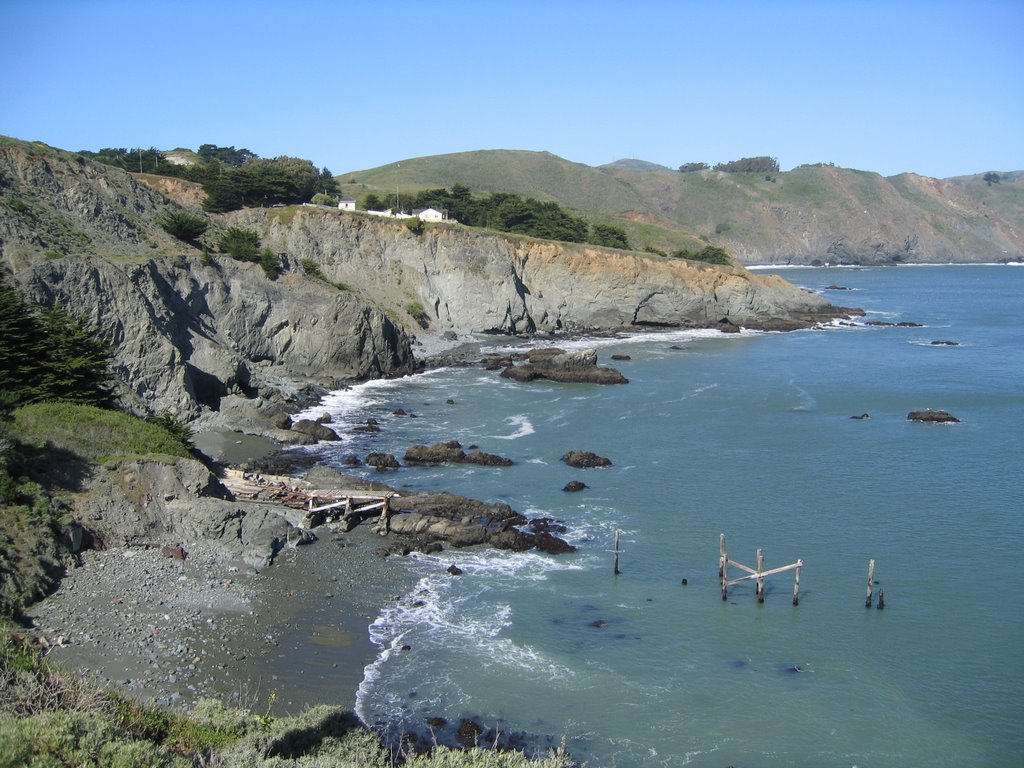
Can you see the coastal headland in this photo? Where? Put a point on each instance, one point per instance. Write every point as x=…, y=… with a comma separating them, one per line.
x=222, y=346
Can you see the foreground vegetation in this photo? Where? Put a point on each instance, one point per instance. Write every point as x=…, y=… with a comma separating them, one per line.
x=51, y=718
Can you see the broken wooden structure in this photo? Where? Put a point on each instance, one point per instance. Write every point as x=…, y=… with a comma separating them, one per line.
x=348, y=507
x=757, y=574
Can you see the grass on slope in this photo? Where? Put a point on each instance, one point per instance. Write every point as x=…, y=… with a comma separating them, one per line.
x=93, y=434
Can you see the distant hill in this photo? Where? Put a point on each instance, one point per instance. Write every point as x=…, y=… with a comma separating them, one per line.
x=812, y=214
x=635, y=165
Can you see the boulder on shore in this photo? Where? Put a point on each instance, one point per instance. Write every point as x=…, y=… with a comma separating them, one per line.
x=314, y=429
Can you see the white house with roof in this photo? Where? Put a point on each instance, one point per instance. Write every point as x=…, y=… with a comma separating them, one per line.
x=430, y=214
x=347, y=204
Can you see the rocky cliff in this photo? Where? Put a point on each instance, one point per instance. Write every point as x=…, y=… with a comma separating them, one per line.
x=190, y=338
x=205, y=336
x=469, y=281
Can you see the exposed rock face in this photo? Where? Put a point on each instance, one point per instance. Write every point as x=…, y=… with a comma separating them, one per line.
x=174, y=503
x=186, y=337
x=471, y=281
x=463, y=522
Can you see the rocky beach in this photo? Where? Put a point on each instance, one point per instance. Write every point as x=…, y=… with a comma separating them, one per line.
x=174, y=631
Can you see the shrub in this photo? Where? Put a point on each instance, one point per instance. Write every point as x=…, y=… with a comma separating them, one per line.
x=271, y=263
x=241, y=244
x=178, y=429
x=182, y=224
x=321, y=199
x=312, y=268
x=418, y=313
x=415, y=225
x=709, y=254
x=609, y=236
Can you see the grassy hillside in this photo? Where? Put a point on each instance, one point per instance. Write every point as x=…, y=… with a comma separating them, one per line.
x=811, y=212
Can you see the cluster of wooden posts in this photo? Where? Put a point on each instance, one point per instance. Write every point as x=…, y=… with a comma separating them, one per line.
x=759, y=573
x=754, y=574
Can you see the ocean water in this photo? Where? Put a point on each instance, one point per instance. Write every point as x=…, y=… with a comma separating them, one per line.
x=748, y=435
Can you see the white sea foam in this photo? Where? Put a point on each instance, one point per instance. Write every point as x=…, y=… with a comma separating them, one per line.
x=444, y=613
x=522, y=424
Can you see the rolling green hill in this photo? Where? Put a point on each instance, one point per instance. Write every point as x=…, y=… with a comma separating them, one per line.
x=812, y=214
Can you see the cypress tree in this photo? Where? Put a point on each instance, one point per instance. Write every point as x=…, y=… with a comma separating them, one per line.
x=46, y=354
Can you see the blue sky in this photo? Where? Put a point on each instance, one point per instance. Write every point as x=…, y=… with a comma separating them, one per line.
x=936, y=88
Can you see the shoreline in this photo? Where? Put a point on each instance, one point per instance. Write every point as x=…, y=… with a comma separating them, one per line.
x=171, y=632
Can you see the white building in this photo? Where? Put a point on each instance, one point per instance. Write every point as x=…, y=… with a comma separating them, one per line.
x=347, y=204
x=430, y=214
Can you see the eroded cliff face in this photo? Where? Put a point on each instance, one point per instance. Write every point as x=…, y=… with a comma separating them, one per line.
x=474, y=282
x=186, y=336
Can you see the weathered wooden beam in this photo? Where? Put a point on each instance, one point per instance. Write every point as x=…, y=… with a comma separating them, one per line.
x=770, y=572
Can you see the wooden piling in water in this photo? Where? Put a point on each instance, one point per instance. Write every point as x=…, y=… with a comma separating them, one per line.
x=760, y=576
x=723, y=566
x=796, y=582
x=618, y=534
x=871, y=583
x=881, y=599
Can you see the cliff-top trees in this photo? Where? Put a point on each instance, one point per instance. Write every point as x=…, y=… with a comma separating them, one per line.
x=760, y=164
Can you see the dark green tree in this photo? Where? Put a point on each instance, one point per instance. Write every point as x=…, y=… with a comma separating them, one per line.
x=691, y=167
x=226, y=155
x=609, y=236
x=78, y=361
x=328, y=185
x=992, y=178
x=47, y=354
x=223, y=193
